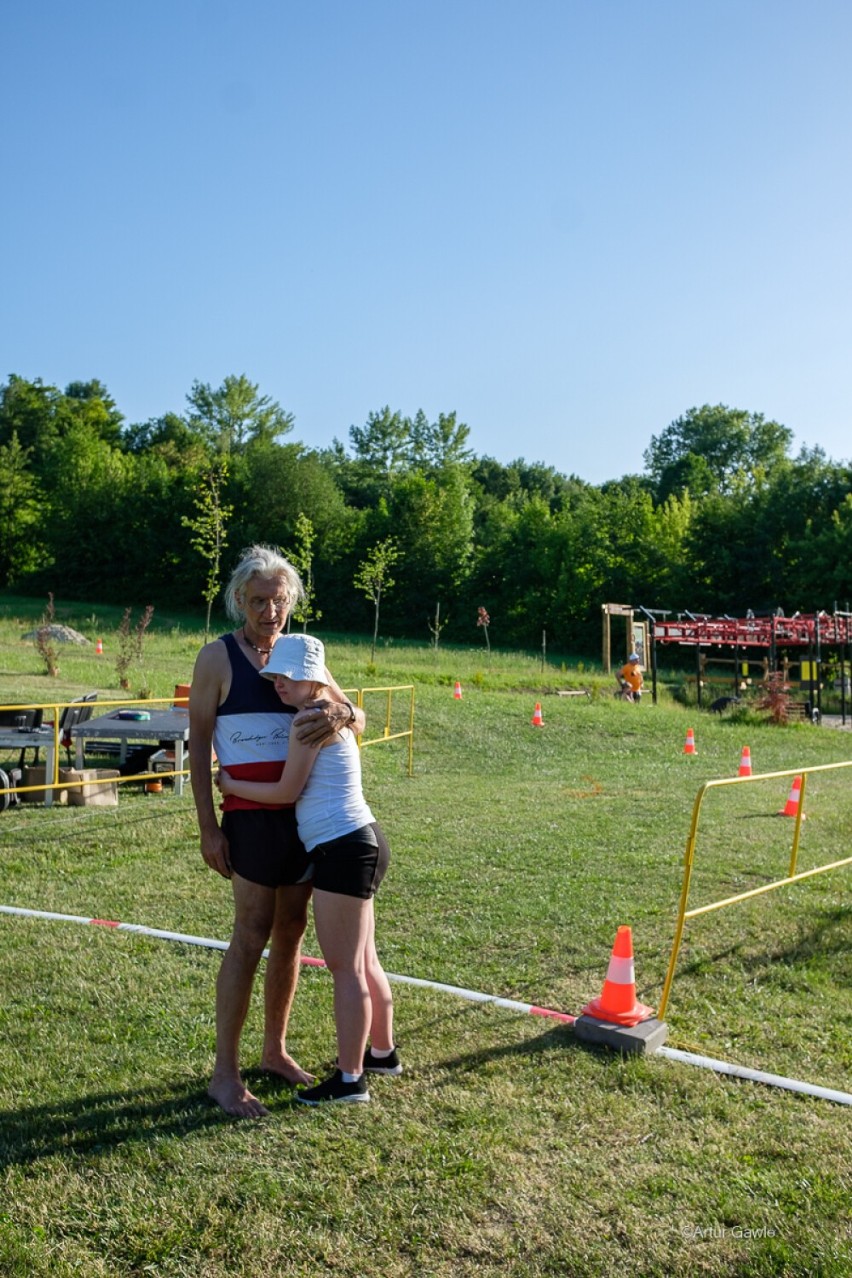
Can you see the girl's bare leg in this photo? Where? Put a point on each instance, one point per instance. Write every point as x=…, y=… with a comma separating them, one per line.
x=381, y=999
x=343, y=928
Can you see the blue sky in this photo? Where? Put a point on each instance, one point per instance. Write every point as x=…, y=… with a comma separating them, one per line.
x=567, y=220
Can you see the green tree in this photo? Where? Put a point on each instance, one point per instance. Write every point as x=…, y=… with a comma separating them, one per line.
x=381, y=447
x=715, y=448
x=431, y=520
x=209, y=529
x=373, y=579
x=732, y=558
x=172, y=437
x=92, y=403
x=665, y=559
x=518, y=572
x=86, y=526
x=797, y=519
x=70, y=442
x=20, y=514
x=519, y=481
x=302, y=559
x=36, y=413
x=435, y=446
x=272, y=483
x=154, y=556
x=822, y=553
x=235, y=413
x=43, y=415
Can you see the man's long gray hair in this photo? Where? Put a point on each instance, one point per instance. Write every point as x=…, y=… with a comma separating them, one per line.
x=269, y=564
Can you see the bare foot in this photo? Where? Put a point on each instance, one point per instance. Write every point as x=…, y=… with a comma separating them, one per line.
x=235, y=1098
x=285, y=1067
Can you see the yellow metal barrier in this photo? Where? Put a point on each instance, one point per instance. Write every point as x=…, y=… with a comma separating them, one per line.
x=387, y=735
x=55, y=708
x=792, y=876
x=22, y=789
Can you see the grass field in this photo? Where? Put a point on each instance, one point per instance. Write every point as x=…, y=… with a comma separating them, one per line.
x=506, y=1147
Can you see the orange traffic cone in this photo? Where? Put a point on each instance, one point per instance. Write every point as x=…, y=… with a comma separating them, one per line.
x=537, y=721
x=457, y=692
x=791, y=808
x=617, y=1004
x=689, y=748
x=745, y=763
x=99, y=648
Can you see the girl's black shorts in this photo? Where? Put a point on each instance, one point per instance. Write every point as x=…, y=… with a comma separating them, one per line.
x=353, y=865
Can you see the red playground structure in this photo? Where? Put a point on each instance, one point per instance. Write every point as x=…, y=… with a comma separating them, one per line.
x=811, y=636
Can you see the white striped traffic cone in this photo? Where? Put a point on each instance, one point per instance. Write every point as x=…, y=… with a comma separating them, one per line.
x=617, y=1003
x=791, y=807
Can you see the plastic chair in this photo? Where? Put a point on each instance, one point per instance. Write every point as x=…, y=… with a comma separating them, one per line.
x=77, y=712
x=27, y=720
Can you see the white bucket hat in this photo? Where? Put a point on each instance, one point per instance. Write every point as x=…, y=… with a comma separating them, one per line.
x=297, y=657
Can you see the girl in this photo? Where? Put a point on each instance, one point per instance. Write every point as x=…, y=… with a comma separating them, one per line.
x=350, y=857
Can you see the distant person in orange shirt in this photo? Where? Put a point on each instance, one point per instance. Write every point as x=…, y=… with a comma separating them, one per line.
x=630, y=678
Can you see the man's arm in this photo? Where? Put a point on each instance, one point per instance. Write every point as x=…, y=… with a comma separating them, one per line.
x=204, y=698
x=319, y=721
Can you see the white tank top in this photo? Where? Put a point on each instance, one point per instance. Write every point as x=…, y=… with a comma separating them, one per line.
x=332, y=803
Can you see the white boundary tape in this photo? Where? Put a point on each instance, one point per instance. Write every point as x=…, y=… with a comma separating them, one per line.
x=756, y=1076
x=473, y=996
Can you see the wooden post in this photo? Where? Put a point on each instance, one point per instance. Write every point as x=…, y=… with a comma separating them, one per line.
x=615, y=610
x=607, y=664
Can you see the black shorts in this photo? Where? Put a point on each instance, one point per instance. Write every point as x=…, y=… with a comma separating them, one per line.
x=353, y=865
x=265, y=848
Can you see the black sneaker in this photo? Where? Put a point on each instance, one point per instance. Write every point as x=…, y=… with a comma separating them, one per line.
x=334, y=1089
x=382, y=1064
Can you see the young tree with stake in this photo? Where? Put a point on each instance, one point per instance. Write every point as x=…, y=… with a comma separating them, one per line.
x=208, y=527
x=373, y=577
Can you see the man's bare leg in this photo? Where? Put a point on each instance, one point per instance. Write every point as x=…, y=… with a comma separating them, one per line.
x=282, y=975
x=254, y=911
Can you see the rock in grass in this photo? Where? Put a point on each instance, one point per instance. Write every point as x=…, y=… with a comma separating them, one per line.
x=62, y=634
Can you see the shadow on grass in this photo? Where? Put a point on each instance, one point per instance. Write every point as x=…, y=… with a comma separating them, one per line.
x=825, y=938
x=57, y=820
x=100, y=1122
x=559, y=1036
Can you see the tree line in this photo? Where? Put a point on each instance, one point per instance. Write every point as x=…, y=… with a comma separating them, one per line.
x=721, y=520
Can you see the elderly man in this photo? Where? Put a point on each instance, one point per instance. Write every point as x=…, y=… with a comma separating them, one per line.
x=257, y=847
